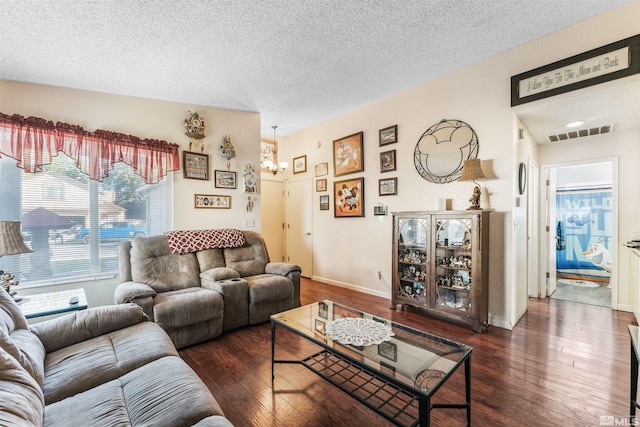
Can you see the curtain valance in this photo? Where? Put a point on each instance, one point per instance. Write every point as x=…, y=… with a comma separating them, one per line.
x=34, y=141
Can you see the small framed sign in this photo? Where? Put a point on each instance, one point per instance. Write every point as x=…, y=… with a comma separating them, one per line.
x=212, y=201
x=388, y=187
x=225, y=179
x=324, y=202
x=195, y=165
x=388, y=135
x=388, y=161
x=322, y=169
x=300, y=164
x=321, y=185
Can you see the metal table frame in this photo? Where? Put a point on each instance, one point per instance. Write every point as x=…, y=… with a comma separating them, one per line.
x=330, y=355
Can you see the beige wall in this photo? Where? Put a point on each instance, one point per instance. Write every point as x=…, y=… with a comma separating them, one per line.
x=350, y=251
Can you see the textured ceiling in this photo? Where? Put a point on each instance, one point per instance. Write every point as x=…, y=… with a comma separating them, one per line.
x=297, y=62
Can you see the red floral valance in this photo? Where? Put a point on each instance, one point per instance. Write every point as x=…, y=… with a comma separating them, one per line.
x=33, y=142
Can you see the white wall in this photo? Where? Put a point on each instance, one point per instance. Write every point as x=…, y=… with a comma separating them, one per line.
x=350, y=251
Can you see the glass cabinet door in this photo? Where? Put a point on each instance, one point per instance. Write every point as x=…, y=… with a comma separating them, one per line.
x=453, y=263
x=412, y=259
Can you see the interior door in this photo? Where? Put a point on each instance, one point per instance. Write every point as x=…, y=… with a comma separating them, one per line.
x=272, y=218
x=554, y=234
x=299, y=225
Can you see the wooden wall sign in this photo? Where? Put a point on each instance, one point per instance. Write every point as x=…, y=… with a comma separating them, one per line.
x=606, y=63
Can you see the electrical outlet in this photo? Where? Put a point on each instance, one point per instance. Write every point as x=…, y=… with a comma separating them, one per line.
x=249, y=223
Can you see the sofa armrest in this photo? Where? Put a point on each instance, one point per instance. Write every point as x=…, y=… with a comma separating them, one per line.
x=235, y=293
x=291, y=271
x=86, y=324
x=128, y=291
x=281, y=268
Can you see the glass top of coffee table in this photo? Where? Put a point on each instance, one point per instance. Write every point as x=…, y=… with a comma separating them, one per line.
x=420, y=360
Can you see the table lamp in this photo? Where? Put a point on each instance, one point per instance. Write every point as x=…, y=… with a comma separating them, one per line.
x=471, y=171
x=11, y=243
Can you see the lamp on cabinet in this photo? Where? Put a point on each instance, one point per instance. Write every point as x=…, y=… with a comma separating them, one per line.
x=472, y=171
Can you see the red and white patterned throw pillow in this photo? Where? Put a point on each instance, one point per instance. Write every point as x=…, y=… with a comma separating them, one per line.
x=185, y=241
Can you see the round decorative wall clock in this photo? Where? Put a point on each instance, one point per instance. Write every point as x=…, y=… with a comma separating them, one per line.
x=442, y=150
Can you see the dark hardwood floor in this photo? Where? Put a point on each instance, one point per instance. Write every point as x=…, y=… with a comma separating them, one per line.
x=564, y=364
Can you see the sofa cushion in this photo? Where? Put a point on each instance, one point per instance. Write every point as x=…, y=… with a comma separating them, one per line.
x=87, y=364
x=17, y=340
x=21, y=401
x=83, y=325
x=27, y=349
x=210, y=258
x=267, y=288
x=153, y=263
x=251, y=258
x=164, y=392
x=186, y=307
x=10, y=314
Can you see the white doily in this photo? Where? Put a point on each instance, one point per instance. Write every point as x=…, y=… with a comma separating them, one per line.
x=358, y=331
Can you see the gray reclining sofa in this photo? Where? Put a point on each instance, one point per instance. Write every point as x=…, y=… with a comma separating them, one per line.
x=195, y=296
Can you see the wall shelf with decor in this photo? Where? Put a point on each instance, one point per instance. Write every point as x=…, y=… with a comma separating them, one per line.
x=440, y=264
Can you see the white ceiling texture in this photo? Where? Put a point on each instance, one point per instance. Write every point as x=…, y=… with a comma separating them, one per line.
x=297, y=62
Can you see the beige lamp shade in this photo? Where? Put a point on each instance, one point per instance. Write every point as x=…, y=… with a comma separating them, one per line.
x=11, y=241
x=471, y=171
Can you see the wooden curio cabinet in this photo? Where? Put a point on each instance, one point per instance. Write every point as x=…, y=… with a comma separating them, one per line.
x=440, y=264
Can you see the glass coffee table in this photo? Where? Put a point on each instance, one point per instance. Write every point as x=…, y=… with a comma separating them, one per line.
x=396, y=377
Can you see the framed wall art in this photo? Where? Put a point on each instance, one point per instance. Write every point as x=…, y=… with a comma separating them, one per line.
x=388, y=135
x=249, y=179
x=322, y=169
x=225, y=179
x=348, y=154
x=195, y=165
x=321, y=185
x=212, y=201
x=388, y=187
x=388, y=161
x=348, y=196
x=300, y=164
x=324, y=203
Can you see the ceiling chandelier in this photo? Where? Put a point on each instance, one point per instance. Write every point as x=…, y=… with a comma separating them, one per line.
x=270, y=164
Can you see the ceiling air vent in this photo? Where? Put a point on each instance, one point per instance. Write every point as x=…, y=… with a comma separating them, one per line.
x=581, y=133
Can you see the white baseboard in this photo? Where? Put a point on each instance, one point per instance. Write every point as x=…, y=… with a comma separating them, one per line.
x=493, y=322
x=352, y=287
x=624, y=307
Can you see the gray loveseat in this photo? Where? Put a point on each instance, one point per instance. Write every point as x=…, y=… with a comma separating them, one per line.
x=104, y=366
x=196, y=296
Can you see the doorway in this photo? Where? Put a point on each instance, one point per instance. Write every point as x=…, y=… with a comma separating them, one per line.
x=582, y=231
x=299, y=226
